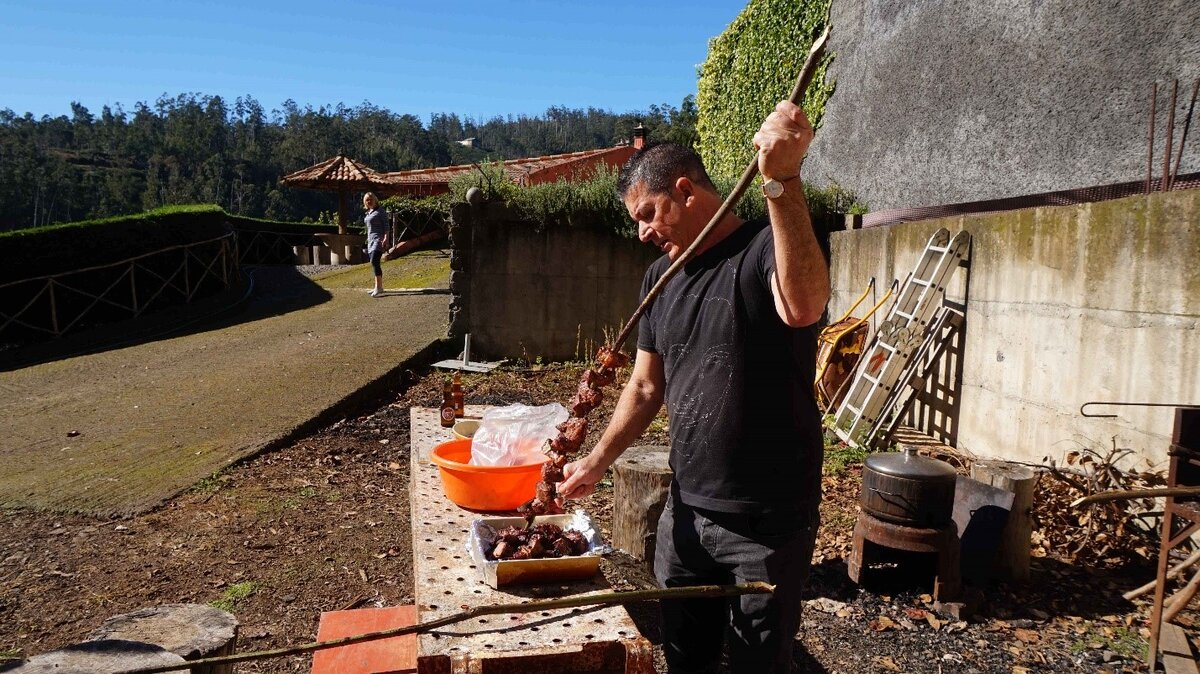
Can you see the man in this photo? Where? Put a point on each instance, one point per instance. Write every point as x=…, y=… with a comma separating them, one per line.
x=730, y=346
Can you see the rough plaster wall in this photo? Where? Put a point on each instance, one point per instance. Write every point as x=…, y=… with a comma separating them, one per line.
x=550, y=294
x=1064, y=305
x=948, y=101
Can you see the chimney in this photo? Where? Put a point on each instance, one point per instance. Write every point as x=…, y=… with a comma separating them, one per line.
x=639, y=137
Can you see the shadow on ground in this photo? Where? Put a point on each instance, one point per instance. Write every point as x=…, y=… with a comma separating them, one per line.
x=262, y=291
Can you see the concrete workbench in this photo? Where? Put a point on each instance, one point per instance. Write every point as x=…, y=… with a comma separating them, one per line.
x=447, y=581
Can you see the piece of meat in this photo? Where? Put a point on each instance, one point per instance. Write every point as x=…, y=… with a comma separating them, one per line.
x=502, y=550
x=536, y=506
x=611, y=359
x=600, y=378
x=521, y=553
x=578, y=543
x=563, y=547
x=575, y=429
x=548, y=531
x=586, y=399
x=565, y=445
x=545, y=491
x=552, y=473
x=537, y=546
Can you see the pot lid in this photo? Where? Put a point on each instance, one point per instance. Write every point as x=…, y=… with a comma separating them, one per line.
x=909, y=464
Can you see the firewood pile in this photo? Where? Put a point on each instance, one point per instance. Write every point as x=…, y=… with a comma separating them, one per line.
x=1098, y=534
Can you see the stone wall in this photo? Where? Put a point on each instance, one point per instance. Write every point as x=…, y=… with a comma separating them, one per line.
x=551, y=294
x=941, y=102
x=1064, y=306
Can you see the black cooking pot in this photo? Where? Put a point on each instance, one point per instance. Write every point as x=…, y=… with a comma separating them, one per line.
x=905, y=488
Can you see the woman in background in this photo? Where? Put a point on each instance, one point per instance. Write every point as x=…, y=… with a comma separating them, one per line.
x=377, y=237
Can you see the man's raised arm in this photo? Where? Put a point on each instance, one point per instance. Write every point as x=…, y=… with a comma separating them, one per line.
x=801, y=280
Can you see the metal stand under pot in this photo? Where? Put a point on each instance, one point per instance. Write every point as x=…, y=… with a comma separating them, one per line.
x=907, y=504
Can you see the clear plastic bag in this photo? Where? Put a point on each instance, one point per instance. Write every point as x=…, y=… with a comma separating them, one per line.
x=514, y=435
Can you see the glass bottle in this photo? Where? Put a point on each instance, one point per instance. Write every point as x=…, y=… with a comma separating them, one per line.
x=456, y=391
x=447, y=410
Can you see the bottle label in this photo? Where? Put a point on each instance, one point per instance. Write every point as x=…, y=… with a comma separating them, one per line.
x=448, y=416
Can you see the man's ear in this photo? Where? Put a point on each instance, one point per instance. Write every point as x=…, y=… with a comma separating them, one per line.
x=686, y=189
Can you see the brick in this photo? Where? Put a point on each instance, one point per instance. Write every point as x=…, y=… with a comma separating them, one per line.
x=395, y=655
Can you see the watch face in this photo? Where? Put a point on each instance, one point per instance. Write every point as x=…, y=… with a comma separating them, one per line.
x=772, y=189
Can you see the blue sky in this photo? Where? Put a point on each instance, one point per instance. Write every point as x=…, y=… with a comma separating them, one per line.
x=478, y=59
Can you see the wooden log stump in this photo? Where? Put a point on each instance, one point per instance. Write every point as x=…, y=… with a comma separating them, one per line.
x=109, y=655
x=1013, y=556
x=641, y=482
x=191, y=631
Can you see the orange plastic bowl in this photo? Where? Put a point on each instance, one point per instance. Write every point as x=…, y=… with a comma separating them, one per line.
x=483, y=487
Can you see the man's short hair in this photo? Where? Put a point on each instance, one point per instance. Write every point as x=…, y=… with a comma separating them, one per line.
x=659, y=165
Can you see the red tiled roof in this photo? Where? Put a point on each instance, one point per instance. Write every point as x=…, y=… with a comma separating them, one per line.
x=340, y=172
x=343, y=173
x=526, y=171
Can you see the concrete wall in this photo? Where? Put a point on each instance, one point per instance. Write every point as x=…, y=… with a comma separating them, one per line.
x=523, y=293
x=944, y=101
x=1064, y=305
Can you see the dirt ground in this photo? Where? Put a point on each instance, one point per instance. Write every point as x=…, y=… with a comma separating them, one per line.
x=323, y=525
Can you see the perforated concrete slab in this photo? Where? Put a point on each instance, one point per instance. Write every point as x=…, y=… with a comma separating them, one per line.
x=447, y=581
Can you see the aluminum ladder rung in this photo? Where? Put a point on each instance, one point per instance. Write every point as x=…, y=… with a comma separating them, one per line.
x=920, y=282
x=905, y=315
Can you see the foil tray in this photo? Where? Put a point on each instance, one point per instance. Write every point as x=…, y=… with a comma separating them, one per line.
x=501, y=573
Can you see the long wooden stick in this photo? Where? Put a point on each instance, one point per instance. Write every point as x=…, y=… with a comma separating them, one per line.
x=1181, y=599
x=1175, y=571
x=806, y=74
x=588, y=599
x=1123, y=495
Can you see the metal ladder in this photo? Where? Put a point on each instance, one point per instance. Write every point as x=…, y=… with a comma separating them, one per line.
x=899, y=336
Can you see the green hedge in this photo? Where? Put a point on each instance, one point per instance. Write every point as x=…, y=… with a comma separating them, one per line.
x=50, y=250
x=243, y=223
x=750, y=67
x=592, y=202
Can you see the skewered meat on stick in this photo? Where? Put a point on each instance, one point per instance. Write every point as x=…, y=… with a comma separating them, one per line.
x=586, y=399
x=611, y=359
x=573, y=432
x=570, y=436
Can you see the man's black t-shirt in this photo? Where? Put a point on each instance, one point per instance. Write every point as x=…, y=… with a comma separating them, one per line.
x=745, y=431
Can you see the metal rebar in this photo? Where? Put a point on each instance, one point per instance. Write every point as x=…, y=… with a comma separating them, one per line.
x=1150, y=138
x=1164, y=185
x=1187, y=122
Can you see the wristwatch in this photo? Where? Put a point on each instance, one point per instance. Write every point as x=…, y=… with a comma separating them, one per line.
x=773, y=189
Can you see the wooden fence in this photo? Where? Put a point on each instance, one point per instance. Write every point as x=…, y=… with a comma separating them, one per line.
x=54, y=305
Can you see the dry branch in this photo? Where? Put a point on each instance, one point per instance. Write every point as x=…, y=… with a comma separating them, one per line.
x=1175, y=571
x=1180, y=599
x=1127, y=494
